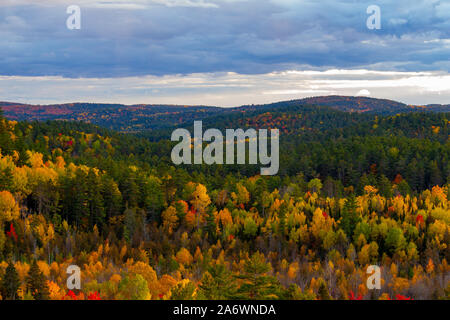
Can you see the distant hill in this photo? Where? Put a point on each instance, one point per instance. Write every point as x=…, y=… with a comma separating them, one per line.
x=360, y=104
x=356, y=104
x=136, y=118
x=438, y=107
x=120, y=117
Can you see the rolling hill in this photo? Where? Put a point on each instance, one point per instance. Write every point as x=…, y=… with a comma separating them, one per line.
x=136, y=118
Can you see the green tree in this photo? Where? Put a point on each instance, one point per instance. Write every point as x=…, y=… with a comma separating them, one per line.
x=315, y=185
x=250, y=228
x=6, y=179
x=211, y=224
x=323, y=291
x=384, y=186
x=395, y=240
x=217, y=283
x=256, y=284
x=294, y=292
x=133, y=287
x=153, y=196
x=404, y=188
x=37, y=283
x=10, y=283
x=350, y=217
x=184, y=291
x=95, y=200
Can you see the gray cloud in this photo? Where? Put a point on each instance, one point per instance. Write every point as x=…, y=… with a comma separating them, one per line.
x=185, y=36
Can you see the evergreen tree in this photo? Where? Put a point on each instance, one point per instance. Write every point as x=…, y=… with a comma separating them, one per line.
x=37, y=283
x=153, y=197
x=323, y=291
x=282, y=220
x=184, y=291
x=111, y=196
x=435, y=174
x=95, y=200
x=256, y=284
x=217, y=283
x=260, y=194
x=349, y=216
x=6, y=179
x=384, y=186
x=404, y=188
x=10, y=283
x=211, y=225
x=130, y=224
x=363, y=181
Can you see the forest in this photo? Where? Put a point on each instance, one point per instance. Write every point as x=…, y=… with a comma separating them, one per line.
x=151, y=117
x=354, y=189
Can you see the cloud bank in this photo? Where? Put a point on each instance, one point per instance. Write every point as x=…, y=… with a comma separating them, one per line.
x=219, y=51
x=158, y=37
x=230, y=89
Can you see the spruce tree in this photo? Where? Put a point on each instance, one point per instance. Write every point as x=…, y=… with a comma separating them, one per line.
x=95, y=201
x=10, y=283
x=37, y=283
x=349, y=216
x=323, y=291
x=211, y=225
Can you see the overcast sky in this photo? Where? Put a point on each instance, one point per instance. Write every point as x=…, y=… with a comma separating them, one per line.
x=223, y=52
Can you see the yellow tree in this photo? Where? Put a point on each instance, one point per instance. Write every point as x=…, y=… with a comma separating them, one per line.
x=224, y=217
x=200, y=201
x=242, y=197
x=184, y=257
x=147, y=272
x=170, y=219
x=9, y=210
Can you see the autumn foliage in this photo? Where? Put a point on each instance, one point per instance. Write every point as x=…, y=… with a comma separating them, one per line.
x=143, y=231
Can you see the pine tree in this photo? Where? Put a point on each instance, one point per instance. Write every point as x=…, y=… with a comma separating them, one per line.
x=349, y=216
x=10, y=283
x=37, y=283
x=217, y=283
x=323, y=291
x=384, y=186
x=211, y=225
x=257, y=285
x=184, y=290
x=95, y=201
x=6, y=143
x=6, y=179
x=435, y=174
x=130, y=224
x=260, y=195
x=111, y=196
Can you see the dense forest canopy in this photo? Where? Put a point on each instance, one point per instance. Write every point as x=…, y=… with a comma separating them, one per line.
x=354, y=189
x=144, y=117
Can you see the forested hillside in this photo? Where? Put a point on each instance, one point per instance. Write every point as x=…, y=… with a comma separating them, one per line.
x=144, y=117
x=353, y=190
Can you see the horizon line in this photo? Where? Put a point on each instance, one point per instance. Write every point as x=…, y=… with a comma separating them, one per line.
x=212, y=106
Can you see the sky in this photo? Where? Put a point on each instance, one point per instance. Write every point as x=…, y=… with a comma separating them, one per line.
x=223, y=52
